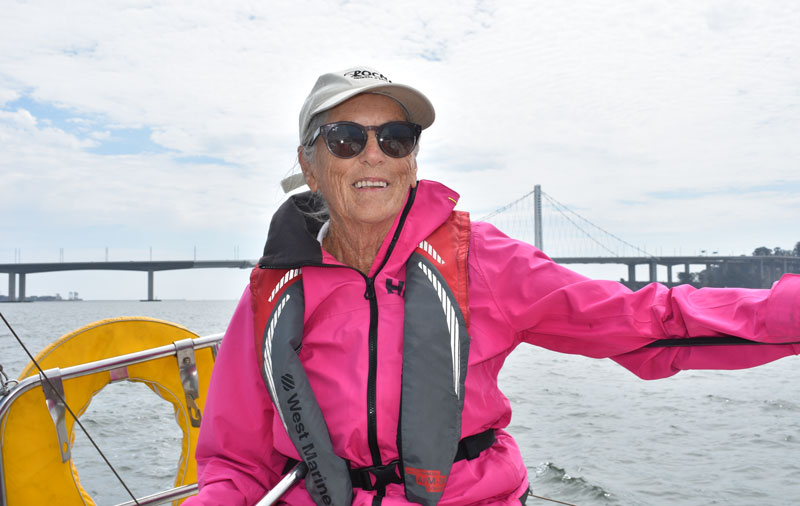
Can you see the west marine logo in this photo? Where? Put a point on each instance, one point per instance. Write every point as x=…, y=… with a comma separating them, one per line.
x=433, y=481
x=309, y=454
x=366, y=74
x=287, y=381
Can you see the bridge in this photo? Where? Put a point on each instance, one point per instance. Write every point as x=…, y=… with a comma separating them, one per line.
x=570, y=238
x=536, y=217
x=22, y=269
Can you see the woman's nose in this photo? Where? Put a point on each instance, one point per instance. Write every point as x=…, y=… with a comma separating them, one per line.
x=372, y=151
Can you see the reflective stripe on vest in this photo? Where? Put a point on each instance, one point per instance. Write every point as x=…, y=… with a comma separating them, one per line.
x=435, y=353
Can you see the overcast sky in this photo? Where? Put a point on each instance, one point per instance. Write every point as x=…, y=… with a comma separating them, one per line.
x=168, y=125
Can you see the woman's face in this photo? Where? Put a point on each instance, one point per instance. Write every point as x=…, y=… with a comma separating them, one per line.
x=369, y=189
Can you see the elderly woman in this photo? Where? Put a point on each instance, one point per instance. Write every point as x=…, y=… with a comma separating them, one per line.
x=369, y=341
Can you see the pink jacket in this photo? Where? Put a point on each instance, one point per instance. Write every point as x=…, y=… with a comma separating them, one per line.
x=516, y=294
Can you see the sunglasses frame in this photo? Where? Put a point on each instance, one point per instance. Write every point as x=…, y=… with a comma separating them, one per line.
x=324, y=130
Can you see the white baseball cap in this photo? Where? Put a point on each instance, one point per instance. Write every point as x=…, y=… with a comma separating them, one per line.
x=334, y=88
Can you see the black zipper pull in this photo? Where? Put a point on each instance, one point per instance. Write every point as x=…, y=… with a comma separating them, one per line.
x=369, y=294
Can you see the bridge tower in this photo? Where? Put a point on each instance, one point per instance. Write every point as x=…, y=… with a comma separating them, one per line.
x=537, y=216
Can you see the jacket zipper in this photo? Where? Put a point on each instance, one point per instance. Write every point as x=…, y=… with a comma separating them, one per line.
x=372, y=376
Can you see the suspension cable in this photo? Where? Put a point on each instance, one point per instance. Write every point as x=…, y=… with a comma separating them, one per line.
x=505, y=207
x=587, y=234
x=563, y=210
x=623, y=241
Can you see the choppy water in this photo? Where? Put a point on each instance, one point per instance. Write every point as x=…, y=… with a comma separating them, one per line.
x=591, y=432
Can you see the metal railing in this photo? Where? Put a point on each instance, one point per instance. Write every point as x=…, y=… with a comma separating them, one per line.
x=108, y=364
x=164, y=497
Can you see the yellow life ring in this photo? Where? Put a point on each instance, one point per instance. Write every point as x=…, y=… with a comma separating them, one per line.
x=31, y=457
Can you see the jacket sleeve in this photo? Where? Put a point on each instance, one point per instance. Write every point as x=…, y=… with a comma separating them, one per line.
x=235, y=461
x=548, y=305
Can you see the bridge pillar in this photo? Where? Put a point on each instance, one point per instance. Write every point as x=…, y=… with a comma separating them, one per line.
x=653, y=272
x=631, y=273
x=669, y=274
x=21, y=297
x=12, y=287
x=150, y=285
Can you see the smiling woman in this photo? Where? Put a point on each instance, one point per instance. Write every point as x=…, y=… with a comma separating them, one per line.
x=370, y=340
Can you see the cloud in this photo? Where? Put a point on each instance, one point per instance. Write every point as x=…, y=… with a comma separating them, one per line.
x=175, y=122
x=20, y=118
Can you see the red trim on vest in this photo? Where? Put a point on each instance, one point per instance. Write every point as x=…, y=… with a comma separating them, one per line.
x=448, y=249
x=266, y=288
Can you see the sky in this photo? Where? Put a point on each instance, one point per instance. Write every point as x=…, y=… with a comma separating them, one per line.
x=139, y=129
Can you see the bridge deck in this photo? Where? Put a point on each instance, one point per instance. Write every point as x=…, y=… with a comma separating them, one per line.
x=20, y=270
x=146, y=266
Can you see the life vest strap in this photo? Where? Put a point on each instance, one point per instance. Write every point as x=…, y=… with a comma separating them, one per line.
x=375, y=477
x=471, y=446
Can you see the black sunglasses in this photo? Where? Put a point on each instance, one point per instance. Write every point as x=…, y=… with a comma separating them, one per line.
x=346, y=139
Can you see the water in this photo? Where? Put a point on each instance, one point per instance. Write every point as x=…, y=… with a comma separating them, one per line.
x=591, y=432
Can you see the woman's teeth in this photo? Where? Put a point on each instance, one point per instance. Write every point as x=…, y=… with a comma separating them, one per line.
x=370, y=184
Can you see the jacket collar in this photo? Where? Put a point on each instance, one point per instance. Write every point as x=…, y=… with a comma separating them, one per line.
x=292, y=237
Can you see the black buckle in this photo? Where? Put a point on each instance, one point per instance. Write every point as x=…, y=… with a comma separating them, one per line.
x=363, y=477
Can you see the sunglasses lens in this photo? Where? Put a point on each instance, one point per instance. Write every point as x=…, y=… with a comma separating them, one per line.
x=346, y=140
x=397, y=139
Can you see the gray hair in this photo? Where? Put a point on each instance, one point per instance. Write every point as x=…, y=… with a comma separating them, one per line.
x=309, y=148
x=309, y=152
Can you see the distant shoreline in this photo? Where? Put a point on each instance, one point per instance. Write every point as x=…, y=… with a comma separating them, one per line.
x=38, y=298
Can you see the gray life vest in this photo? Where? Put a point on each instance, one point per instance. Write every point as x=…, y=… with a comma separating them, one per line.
x=435, y=353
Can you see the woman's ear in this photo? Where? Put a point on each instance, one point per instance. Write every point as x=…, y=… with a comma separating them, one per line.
x=308, y=173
